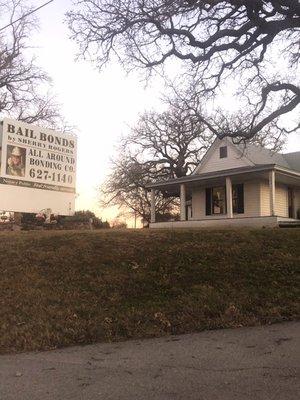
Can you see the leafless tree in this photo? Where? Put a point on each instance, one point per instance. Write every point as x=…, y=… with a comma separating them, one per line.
x=125, y=187
x=253, y=41
x=161, y=146
x=24, y=87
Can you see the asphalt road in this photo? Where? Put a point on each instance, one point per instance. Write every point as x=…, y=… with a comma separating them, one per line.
x=245, y=363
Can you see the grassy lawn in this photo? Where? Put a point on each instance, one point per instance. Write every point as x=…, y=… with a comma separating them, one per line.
x=64, y=288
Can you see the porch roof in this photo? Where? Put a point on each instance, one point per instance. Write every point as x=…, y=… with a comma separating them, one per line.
x=221, y=174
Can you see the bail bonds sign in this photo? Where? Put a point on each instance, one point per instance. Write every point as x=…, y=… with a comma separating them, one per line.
x=43, y=160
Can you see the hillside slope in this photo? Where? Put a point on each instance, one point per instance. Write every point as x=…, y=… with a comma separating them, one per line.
x=64, y=288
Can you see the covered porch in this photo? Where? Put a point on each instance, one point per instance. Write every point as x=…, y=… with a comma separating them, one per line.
x=250, y=196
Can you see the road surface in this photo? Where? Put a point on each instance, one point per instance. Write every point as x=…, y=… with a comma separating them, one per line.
x=259, y=363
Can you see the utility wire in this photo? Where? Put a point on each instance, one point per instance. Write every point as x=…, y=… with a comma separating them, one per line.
x=26, y=15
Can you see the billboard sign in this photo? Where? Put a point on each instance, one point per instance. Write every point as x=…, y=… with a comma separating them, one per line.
x=39, y=164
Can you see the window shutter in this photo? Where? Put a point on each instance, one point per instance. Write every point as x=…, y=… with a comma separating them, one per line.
x=208, y=201
x=240, y=198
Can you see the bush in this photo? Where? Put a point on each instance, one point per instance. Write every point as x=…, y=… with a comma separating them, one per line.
x=85, y=217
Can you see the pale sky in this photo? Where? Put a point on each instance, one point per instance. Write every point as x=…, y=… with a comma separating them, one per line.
x=100, y=104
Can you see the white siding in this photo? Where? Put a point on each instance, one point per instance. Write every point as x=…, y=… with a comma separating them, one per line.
x=281, y=199
x=251, y=202
x=252, y=199
x=198, y=203
x=265, y=198
x=256, y=201
x=213, y=162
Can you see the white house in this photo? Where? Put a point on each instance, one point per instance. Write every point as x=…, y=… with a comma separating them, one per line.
x=237, y=186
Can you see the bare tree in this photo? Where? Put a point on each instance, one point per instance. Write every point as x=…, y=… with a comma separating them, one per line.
x=24, y=87
x=221, y=124
x=161, y=146
x=125, y=187
x=255, y=41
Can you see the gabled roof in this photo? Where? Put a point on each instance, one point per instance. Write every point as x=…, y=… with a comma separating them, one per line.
x=256, y=155
x=241, y=159
x=256, y=159
x=260, y=156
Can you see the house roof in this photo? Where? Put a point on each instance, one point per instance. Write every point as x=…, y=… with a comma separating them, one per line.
x=220, y=174
x=293, y=159
x=254, y=155
x=260, y=156
x=260, y=159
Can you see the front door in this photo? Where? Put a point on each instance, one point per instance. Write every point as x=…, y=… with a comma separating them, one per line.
x=291, y=202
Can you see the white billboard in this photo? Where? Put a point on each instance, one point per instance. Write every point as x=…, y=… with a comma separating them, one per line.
x=37, y=169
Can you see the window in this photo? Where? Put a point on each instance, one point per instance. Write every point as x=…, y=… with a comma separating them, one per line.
x=223, y=152
x=216, y=200
x=219, y=200
x=238, y=198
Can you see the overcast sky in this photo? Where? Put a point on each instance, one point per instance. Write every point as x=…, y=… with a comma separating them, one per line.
x=100, y=104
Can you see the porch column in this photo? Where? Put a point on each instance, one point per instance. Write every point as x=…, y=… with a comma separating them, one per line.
x=272, y=192
x=294, y=204
x=229, y=197
x=182, y=202
x=152, y=201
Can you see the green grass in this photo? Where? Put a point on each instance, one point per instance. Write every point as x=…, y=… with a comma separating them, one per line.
x=64, y=288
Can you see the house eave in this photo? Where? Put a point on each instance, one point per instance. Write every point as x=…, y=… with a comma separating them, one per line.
x=287, y=171
x=222, y=174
